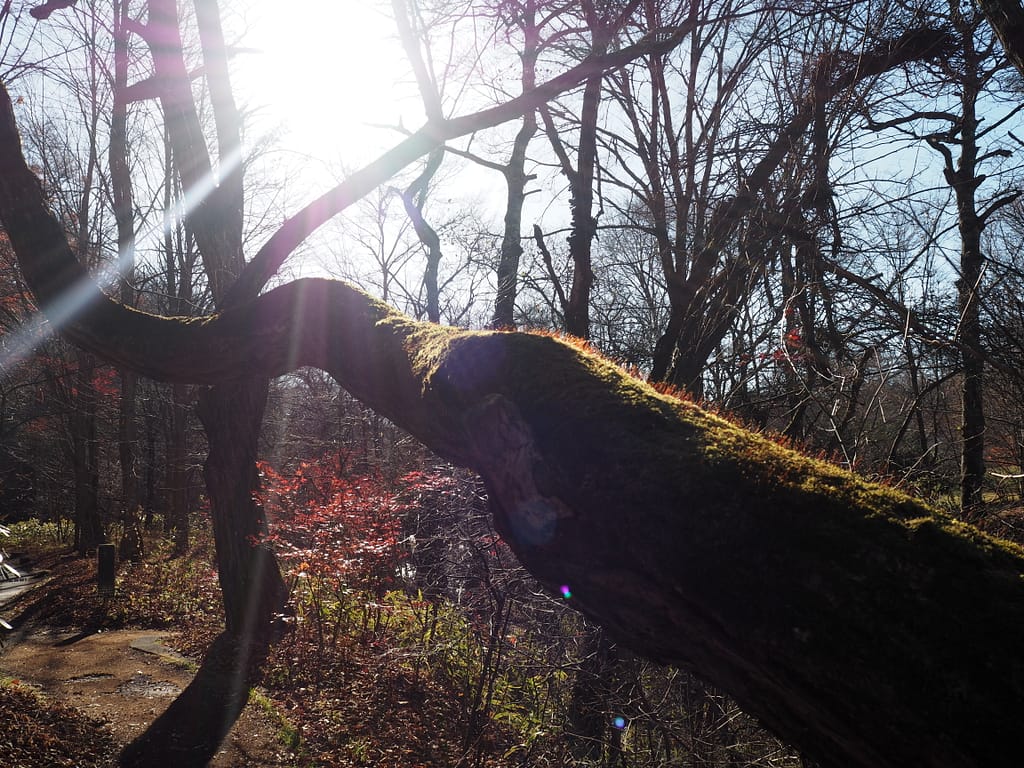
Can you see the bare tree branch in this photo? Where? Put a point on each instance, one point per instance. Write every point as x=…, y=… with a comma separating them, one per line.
x=431, y=136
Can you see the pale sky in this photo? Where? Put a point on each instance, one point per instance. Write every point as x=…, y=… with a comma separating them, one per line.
x=332, y=73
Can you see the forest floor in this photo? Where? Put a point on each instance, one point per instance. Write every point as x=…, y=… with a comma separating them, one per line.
x=120, y=681
x=74, y=693
x=82, y=676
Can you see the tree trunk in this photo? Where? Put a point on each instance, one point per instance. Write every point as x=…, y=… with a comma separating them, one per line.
x=972, y=469
x=584, y=225
x=130, y=547
x=581, y=178
x=963, y=178
x=231, y=413
x=511, y=239
x=1007, y=19
x=124, y=213
x=254, y=591
x=428, y=236
x=587, y=724
x=972, y=474
x=150, y=499
x=856, y=622
x=176, y=519
x=89, y=530
x=1018, y=440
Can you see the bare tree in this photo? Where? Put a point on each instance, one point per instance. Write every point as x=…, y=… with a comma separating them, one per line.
x=974, y=70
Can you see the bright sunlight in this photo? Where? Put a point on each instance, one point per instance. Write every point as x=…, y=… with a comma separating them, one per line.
x=331, y=75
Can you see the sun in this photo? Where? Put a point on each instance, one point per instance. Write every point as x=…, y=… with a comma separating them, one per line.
x=331, y=74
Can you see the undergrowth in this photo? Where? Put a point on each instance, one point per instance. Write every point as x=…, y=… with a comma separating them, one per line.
x=412, y=636
x=359, y=679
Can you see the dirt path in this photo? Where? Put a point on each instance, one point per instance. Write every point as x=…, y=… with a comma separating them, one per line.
x=128, y=678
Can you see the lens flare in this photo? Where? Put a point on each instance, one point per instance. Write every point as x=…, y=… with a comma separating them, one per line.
x=18, y=346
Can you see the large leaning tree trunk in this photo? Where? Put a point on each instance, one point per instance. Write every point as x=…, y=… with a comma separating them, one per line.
x=857, y=623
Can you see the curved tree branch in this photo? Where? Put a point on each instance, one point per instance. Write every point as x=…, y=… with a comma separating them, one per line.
x=42, y=12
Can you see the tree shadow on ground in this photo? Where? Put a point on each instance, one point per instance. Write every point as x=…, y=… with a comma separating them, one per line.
x=87, y=632
x=192, y=728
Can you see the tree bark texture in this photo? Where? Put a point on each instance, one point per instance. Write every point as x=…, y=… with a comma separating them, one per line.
x=177, y=518
x=131, y=546
x=1007, y=20
x=857, y=623
x=516, y=179
x=122, y=194
x=581, y=189
x=511, y=251
x=251, y=582
x=964, y=179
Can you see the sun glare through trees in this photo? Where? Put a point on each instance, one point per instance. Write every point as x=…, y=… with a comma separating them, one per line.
x=354, y=89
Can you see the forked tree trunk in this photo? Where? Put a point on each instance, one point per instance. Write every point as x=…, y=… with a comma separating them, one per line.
x=231, y=413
